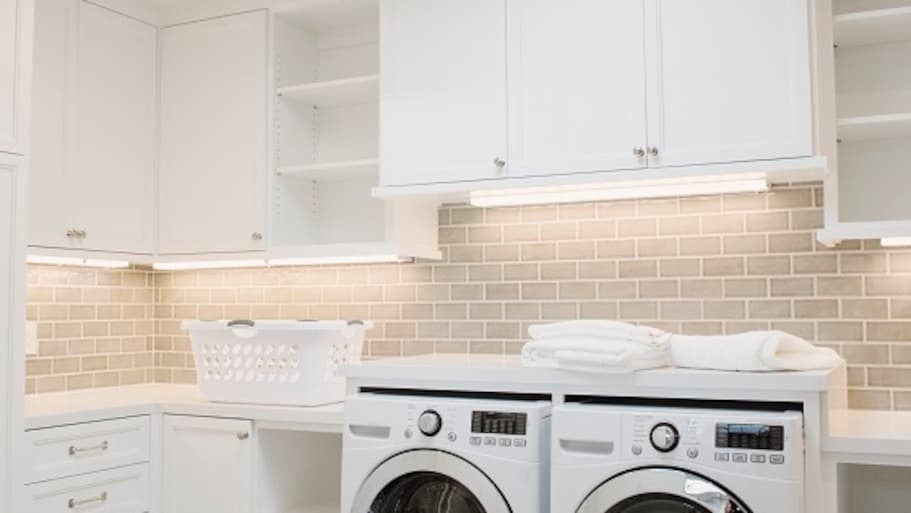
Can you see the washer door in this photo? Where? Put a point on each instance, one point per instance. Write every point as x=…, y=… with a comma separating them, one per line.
x=660, y=490
x=428, y=481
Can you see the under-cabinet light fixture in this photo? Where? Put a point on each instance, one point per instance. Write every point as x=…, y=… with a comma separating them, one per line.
x=660, y=188
x=77, y=262
x=894, y=242
x=354, y=259
x=207, y=264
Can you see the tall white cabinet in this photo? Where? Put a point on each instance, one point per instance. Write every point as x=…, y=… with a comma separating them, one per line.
x=15, y=75
x=669, y=86
x=93, y=130
x=212, y=175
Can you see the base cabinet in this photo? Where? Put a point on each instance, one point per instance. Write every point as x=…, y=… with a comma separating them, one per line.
x=121, y=490
x=208, y=465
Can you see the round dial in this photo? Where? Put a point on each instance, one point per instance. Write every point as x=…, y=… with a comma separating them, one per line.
x=665, y=437
x=430, y=423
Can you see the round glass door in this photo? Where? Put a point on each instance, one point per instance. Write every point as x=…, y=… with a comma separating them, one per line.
x=428, y=481
x=668, y=491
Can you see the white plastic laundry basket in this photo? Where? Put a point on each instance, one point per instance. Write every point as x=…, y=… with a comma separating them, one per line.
x=274, y=362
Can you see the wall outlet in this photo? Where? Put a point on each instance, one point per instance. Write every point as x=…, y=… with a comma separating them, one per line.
x=31, y=338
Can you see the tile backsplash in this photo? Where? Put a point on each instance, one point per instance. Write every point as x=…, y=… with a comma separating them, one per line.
x=705, y=265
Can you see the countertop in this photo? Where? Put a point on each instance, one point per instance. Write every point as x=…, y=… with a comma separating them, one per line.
x=44, y=410
x=507, y=371
x=872, y=433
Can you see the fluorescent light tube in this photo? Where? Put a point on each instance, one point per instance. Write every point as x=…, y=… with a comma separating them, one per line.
x=77, y=262
x=207, y=264
x=619, y=191
x=894, y=242
x=354, y=259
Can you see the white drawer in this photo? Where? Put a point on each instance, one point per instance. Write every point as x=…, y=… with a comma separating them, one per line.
x=81, y=448
x=122, y=490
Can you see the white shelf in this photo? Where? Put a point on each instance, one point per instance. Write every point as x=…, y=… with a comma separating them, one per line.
x=354, y=252
x=346, y=91
x=873, y=27
x=885, y=126
x=331, y=171
x=320, y=15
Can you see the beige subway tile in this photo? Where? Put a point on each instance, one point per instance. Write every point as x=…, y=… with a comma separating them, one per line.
x=466, y=216
x=597, y=230
x=487, y=272
x=815, y=264
x=502, y=215
x=866, y=353
x=649, y=289
x=816, y=308
x=744, y=244
x=856, y=376
x=536, y=291
x=807, y=219
x=79, y=381
x=745, y=201
x=485, y=311
x=769, y=309
x=638, y=269
x=559, y=311
x=638, y=310
x=616, y=209
x=616, y=289
x=736, y=327
x=66, y=365
x=485, y=234
x=839, y=286
x=803, y=329
x=539, y=213
x=768, y=265
x=676, y=267
x=637, y=227
x=656, y=247
x=521, y=233
x=791, y=287
x=790, y=242
x=863, y=263
x=901, y=354
x=539, y=251
x=53, y=313
x=723, y=223
x=417, y=311
x=380, y=275
x=657, y=207
x=616, y=248
x=899, y=262
x=900, y=308
x=889, y=377
x=559, y=231
x=450, y=273
x=38, y=366
x=791, y=198
x=746, y=287
x=887, y=285
x=723, y=266
x=523, y=272
x=724, y=309
x=50, y=384
x=569, y=290
x=368, y=293
x=459, y=292
x=767, y=222
x=432, y=330
x=681, y=310
x=700, y=204
x=701, y=288
x=558, y=271
x=702, y=328
x=466, y=254
x=467, y=329
x=690, y=246
x=522, y=311
x=502, y=291
x=869, y=399
x=597, y=270
x=679, y=225
x=901, y=400
x=895, y=331
x=598, y=310
x=503, y=330
x=576, y=211
x=485, y=347
x=436, y=292
x=582, y=250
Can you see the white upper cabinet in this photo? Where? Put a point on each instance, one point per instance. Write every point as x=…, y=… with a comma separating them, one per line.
x=111, y=194
x=443, y=91
x=94, y=109
x=576, y=82
x=15, y=34
x=728, y=81
x=213, y=135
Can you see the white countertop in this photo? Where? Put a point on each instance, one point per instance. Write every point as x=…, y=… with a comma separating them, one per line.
x=44, y=410
x=882, y=433
x=508, y=372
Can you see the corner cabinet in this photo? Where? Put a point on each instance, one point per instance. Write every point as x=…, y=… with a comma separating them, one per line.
x=626, y=85
x=212, y=174
x=93, y=130
x=15, y=74
x=208, y=465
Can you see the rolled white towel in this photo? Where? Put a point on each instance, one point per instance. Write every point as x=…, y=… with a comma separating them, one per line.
x=751, y=351
x=596, y=330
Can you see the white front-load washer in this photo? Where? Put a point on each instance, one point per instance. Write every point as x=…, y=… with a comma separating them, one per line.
x=649, y=459
x=432, y=454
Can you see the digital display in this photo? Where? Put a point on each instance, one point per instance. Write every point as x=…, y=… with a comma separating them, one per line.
x=749, y=436
x=498, y=422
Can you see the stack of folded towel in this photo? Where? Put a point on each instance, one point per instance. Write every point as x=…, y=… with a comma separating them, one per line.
x=611, y=346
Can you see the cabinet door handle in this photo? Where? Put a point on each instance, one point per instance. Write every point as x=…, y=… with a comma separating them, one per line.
x=500, y=163
x=653, y=151
x=256, y=236
x=103, y=446
x=78, y=503
x=71, y=234
x=638, y=151
x=243, y=435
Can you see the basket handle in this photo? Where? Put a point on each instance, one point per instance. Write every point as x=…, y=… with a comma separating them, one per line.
x=242, y=323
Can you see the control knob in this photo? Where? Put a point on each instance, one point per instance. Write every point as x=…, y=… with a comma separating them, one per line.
x=430, y=423
x=665, y=437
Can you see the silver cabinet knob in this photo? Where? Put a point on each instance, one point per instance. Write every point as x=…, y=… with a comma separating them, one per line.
x=500, y=163
x=638, y=151
x=243, y=435
x=653, y=151
x=256, y=236
x=71, y=234
x=76, y=234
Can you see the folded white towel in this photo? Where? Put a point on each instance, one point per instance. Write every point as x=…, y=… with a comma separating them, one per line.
x=596, y=346
x=751, y=351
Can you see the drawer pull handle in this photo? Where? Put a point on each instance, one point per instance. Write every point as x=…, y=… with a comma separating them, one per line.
x=103, y=446
x=78, y=503
x=243, y=435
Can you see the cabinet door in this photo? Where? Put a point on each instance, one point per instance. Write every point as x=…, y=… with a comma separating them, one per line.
x=15, y=47
x=208, y=465
x=213, y=135
x=111, y=187
x=10, y=296
x=576, y=86
x=54, y=64
x=728, y=81
x=443, y=90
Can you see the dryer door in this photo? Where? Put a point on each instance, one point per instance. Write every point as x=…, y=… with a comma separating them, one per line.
x=428, y=481
x=660, y=490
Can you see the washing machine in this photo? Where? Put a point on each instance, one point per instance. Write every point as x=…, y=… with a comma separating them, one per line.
x=434, y=454
x=647, y=459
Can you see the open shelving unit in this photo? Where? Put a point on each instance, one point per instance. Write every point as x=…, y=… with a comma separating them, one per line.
x=326, y=140
x=867, y=196
x=300, y=471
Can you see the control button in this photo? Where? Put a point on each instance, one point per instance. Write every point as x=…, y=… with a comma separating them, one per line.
x=692, y=452
x=408, y=433
x=506, y=442
x=757, y=458
x=519, y=442
x=430, y=423
x=475, y=440
x=776, y=459
x=637, y=450
x=722, y=456
x=489, y=440
x=665, y=437
x=451, y=436
x=740, y=457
